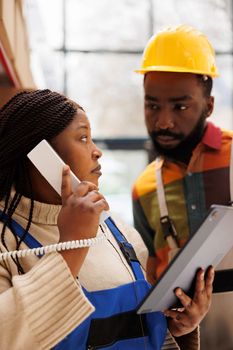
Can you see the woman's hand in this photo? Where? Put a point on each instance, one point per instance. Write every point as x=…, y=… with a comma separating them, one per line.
x=186, y=319
x=79, y=217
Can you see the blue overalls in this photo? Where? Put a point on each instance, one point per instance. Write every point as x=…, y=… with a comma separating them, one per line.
x=114, y=324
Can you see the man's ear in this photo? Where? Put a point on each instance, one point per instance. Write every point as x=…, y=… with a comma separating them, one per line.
x=209, y=106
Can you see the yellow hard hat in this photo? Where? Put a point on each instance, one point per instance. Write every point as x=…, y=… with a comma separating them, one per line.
x=179, y=49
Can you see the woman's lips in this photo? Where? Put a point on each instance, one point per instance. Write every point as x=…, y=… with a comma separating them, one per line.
x=97, y=170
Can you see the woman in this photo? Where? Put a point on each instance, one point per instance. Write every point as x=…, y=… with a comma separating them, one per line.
x=82, y=298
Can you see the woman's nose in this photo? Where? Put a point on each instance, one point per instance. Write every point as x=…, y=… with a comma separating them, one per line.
x=97, y=152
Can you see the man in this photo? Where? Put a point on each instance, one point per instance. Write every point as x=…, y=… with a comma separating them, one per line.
x=191, y=171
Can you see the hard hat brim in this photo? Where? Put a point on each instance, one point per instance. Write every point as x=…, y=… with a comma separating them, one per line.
x=175, y=70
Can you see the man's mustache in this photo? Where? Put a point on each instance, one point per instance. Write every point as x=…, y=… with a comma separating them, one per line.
x=155, y=134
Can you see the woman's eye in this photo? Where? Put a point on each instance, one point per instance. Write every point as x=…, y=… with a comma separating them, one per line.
x=84, y=138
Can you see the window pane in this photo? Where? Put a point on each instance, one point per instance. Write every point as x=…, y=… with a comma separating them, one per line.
x=45, y=23
x=109, y=90
x=223, y=92
x=120, y=170
x=48, y=69
x=213, y=17
x=106, y=24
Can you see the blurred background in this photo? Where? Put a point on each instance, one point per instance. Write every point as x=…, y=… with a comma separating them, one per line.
x=88, y=49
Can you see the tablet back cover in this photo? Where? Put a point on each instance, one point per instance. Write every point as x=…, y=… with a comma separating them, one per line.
x=206, y=247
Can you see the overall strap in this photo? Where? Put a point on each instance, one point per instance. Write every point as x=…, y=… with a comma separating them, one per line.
x=29, y=240
x=126, y=248
x=167, y=225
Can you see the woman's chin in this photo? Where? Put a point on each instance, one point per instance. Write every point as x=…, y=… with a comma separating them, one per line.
x=94, y=178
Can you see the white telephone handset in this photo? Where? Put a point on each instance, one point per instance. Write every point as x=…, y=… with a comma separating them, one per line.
x=50, y=165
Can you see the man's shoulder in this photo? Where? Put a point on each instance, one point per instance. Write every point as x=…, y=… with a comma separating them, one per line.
x=227, y=134
x=217, y=139
x=226, y=140
x=146, y=182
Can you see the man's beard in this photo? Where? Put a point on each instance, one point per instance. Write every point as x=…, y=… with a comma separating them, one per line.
x=183, y=151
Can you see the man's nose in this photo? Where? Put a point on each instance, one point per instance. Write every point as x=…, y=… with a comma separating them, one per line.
x=164, y=120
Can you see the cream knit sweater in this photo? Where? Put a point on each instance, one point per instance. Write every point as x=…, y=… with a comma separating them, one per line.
x=41, y=307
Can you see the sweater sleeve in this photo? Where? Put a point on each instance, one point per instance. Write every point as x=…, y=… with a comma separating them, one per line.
x=190, y=341
x=42, y=306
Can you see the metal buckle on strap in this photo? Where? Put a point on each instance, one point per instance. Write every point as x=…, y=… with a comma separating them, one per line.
x=128, y=251
x=168, y=227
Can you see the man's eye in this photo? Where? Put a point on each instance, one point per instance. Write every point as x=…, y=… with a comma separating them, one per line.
x=181, y=107
x=153, y=106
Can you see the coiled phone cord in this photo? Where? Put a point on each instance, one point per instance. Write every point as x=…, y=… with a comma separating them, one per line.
x=81, y=243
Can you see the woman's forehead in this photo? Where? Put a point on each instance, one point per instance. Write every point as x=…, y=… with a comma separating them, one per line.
x=80, y=121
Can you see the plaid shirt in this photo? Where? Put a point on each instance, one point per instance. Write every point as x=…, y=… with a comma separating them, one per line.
x=189, y=190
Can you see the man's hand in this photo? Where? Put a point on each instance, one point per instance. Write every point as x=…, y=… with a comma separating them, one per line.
x=184, y=320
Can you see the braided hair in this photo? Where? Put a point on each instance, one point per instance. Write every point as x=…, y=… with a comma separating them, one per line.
x=25, y=120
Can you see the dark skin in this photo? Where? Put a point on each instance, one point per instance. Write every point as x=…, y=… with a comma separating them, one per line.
x=174, y=103
x=81, y=208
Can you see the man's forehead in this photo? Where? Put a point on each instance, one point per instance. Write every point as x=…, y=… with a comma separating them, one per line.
x=177, y=98
x=175, y=86
x=170, y=76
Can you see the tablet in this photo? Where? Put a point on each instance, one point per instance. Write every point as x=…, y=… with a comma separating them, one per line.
x=206, y=247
